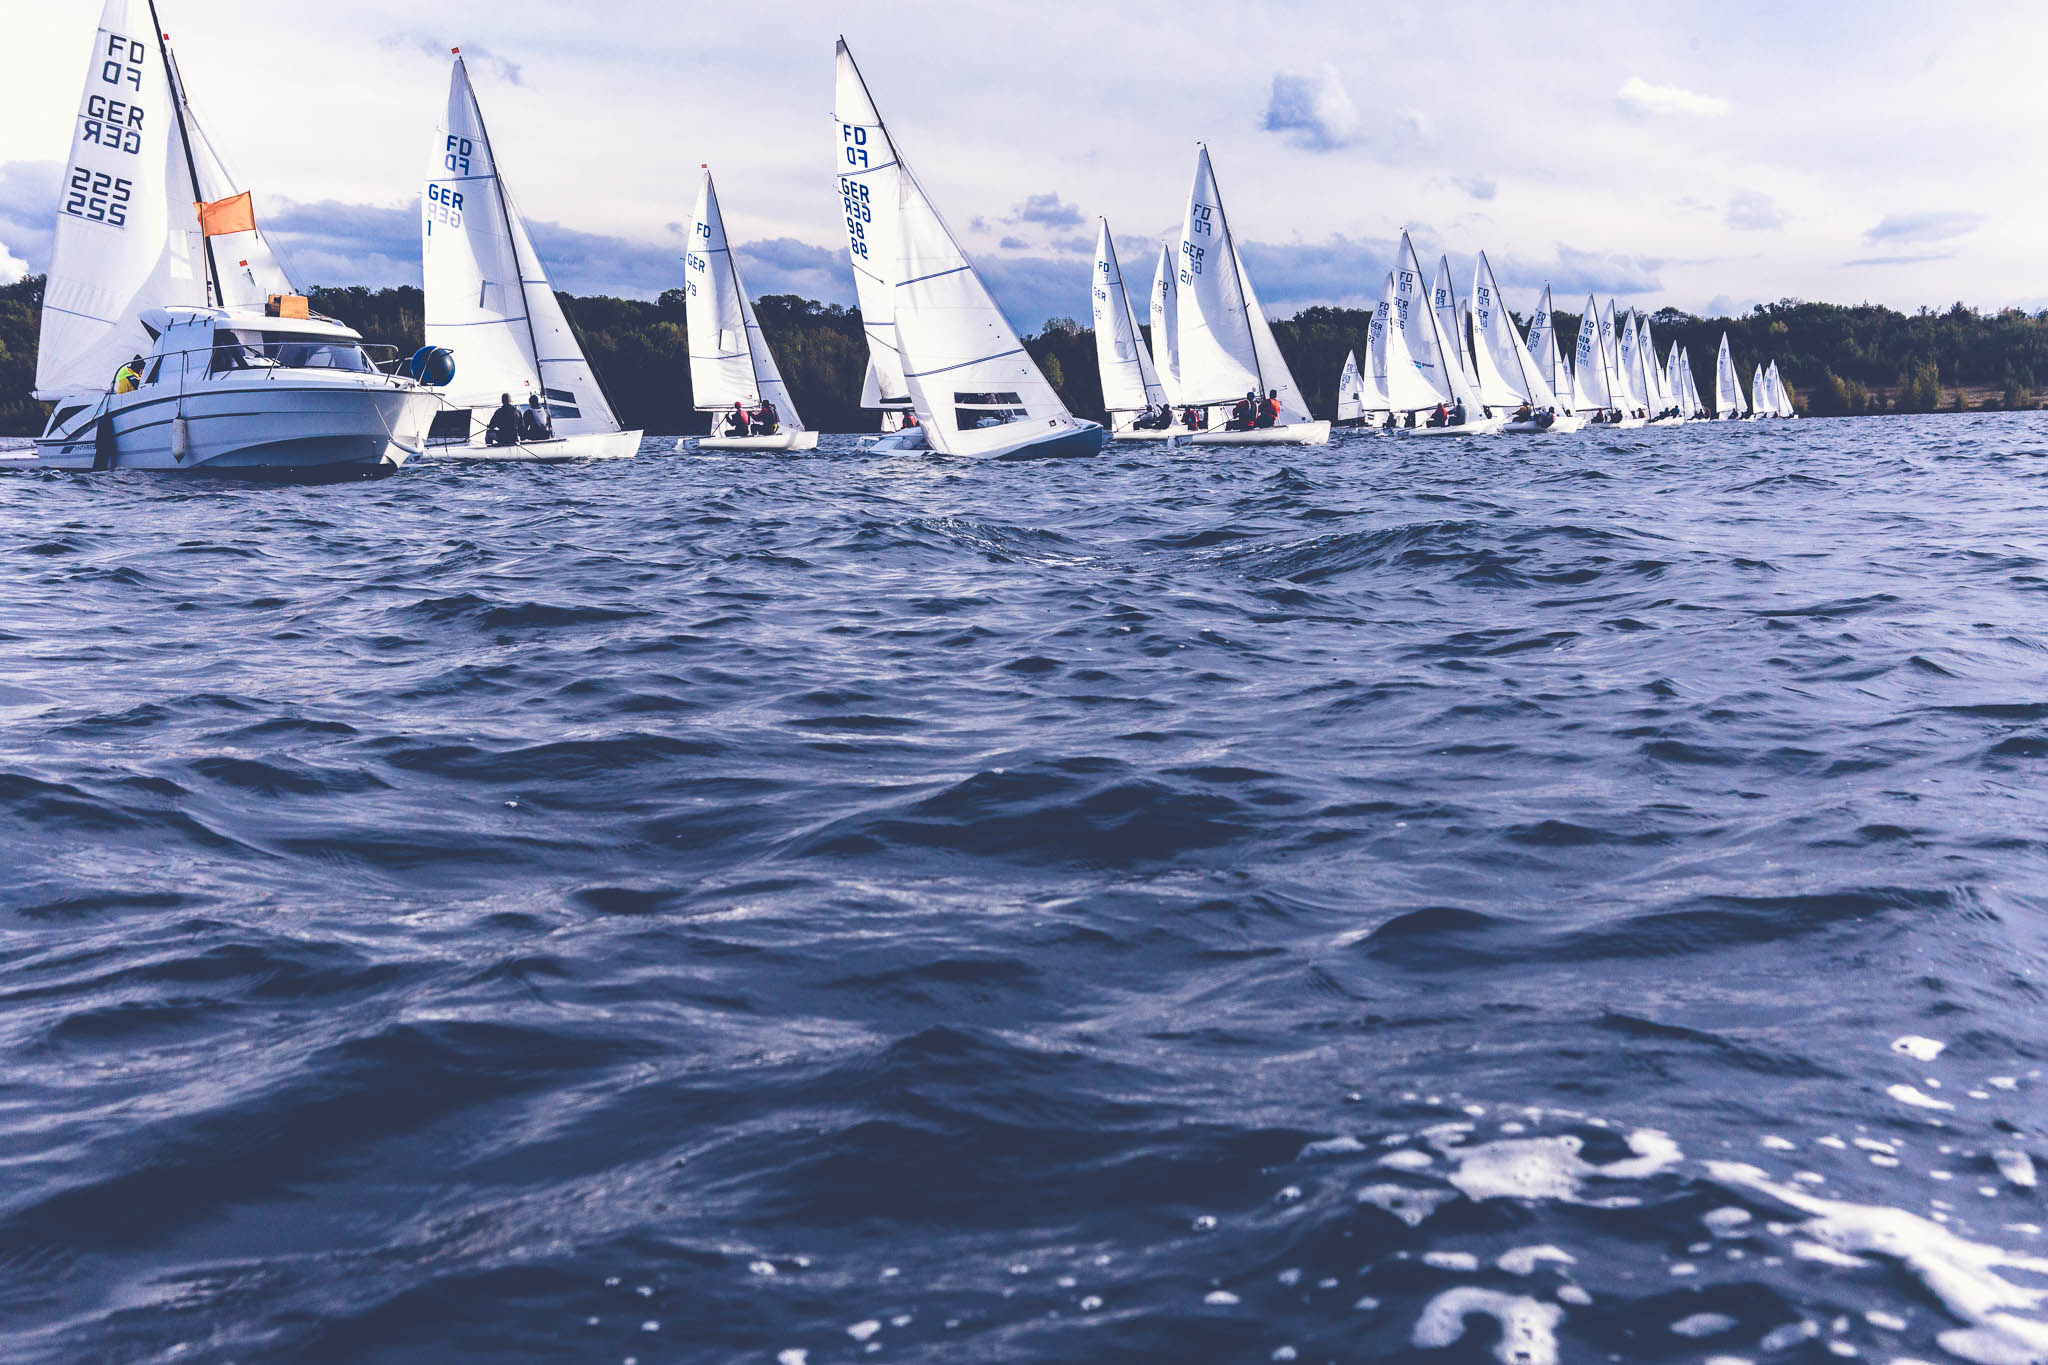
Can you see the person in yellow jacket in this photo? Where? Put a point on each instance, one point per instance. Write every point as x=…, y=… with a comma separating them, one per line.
x=128, y=378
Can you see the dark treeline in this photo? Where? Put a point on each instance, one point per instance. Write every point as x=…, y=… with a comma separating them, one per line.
x=1835, y=360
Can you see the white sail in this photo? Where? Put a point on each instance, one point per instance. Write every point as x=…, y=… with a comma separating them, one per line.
x=488, y=299
x=868, y=168
x=730, y=361
x=1506, y=373
x=1674, y=382
x=1590, y=368
x=1627, y=343
x=1781, y=401
x=247, y=269
x=1761, y=403
x=1418, y=324
x=1694, y=407
x=1450, y=326
x=1129, y=383
x=1727, y=391
x=1549, y=358
x=1610, y=340
x=1398, y=382
x=126, y=237
x=1350, y=390
x=1166, y=324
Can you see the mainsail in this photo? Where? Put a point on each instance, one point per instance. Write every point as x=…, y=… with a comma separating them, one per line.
x=1418, y=326
x=1543, y=349
x=1505, y=365
x=1450, y=326
x=1226, y=345
x=1590, y=369
x=1166, y=324
x=1399, y=383
x=1129, y=383
x=729, y=357
x=868, y=170
x=1350, y=390
x=1727, y=389
x=488, y=299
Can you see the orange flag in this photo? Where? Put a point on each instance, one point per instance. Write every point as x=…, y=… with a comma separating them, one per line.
x=222, y=216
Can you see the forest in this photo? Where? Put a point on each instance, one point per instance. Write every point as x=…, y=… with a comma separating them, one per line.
x=1835, y=360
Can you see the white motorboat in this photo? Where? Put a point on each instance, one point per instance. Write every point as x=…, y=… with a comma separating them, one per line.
x=489, y=303
x=1225, y=347
x=732, y=369
x=172, y=336
x=974, y=387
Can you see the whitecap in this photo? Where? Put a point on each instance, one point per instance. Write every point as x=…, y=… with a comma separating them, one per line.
x=1703, y=1325
x=1345, y=1145
x=1906, y=1094
x=1528, y=1329
x=1918, y=1048
x=1410, y=1206
x=1523, y=1260
x=1220, y=1298
x=1451, y=1260
x=861, y=1331
x=2016, y=1166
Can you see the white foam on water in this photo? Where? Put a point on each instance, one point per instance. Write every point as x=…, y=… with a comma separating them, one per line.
x=1906, y=1094
x=1283, y=1353
x=1574, y=1295
x=1827, y=1255
x=861, y=1331
x=1786, y=1337
x=1528, y=1329
x=1091, y=1304
x=1778, y=1144
x=1843, y=1349
x=1451, y=1260
x=1832, y=1141
x=1290, y=1194
x=900, y=1320
x=1205, y=1222
x=1729, y=1360
x=1889, y=1163
x=2016, y=1166
x=1918, y=1048
x=1290, y=1276
x=1524, y=1260
x=1407, y=1159
x=1890, y=1322
x=1725, y=1219
x=2003, y=1322
x=1703, y=1325
x=1366, y=1304
x=2002, y=1082
x=1220, y=1298
x=795, y=1355
x=1410, y=1206
x=1871, y=1144
x=1344, y=1145
x=763, y=1268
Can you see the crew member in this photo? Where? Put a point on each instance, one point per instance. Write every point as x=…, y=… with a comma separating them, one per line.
x=534, y=424
x=128, y=378
x=767, y=421
x=1269, y=411
x=504, y=427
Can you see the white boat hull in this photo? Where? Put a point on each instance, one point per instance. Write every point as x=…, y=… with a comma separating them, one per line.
x=1478, y=426
x=1148, y=434
x=1560, y=423
x=594, y=445
x=784, y=440
x=311, y=426
x=1294, y=434
x=1666, y=422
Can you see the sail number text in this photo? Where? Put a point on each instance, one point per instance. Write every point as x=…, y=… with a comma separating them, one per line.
x=853, y=198
x=108, y=122
x=98, y=197
x=444, y=205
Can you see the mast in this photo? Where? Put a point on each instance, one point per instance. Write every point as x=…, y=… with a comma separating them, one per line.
x=511, y=238
x=177, y=84
x=739, y=290
x=1230, y=240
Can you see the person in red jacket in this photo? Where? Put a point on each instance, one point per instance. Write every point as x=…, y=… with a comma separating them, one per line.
x=1269, y=411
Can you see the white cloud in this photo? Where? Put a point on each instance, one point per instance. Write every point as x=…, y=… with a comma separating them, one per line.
x=1753, y=212
x=1312, y=109
x=1639, y=96
x=1923, y=227
x=12, y=267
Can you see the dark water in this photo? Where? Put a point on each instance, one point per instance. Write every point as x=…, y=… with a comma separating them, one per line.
x=1396, y=902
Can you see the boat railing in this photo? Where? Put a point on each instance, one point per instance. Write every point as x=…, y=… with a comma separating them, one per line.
x=248, y=358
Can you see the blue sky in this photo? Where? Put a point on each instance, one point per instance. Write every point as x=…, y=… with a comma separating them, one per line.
x=1703, y=156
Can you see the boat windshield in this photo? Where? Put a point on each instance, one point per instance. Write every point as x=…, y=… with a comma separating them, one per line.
x=287, y=350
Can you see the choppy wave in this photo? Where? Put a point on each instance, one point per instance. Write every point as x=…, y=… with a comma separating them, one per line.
x=1542, y=901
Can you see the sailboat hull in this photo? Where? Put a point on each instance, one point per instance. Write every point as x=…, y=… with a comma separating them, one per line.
x=595, y=445
x=786, y=440
x=313, y=428
x=1148, y=434
x=1478, y=426
x=1562, y=422
x=1088, y=439
x=1294, y=434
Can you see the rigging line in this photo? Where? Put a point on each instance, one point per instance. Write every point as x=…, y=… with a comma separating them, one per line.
x=176, y=87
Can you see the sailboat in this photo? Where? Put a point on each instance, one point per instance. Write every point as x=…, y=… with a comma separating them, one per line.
x=1695, y=410
x=1592, y=373
x=1226, y=346
x=1625, y=407
x=1130, y=385
x=1550, y=364
x=1760, y=404
x=1350, y=393
x=1501, y=356
x=488, y=301
x=1643, y=369
x=1400, y=388
x=1728, y=404
x=157, y=259
x=1430, y=329
x=1166, y=325
x=1781, y=401
x=975, y=389
x=1671, y=390
x=730, y=362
